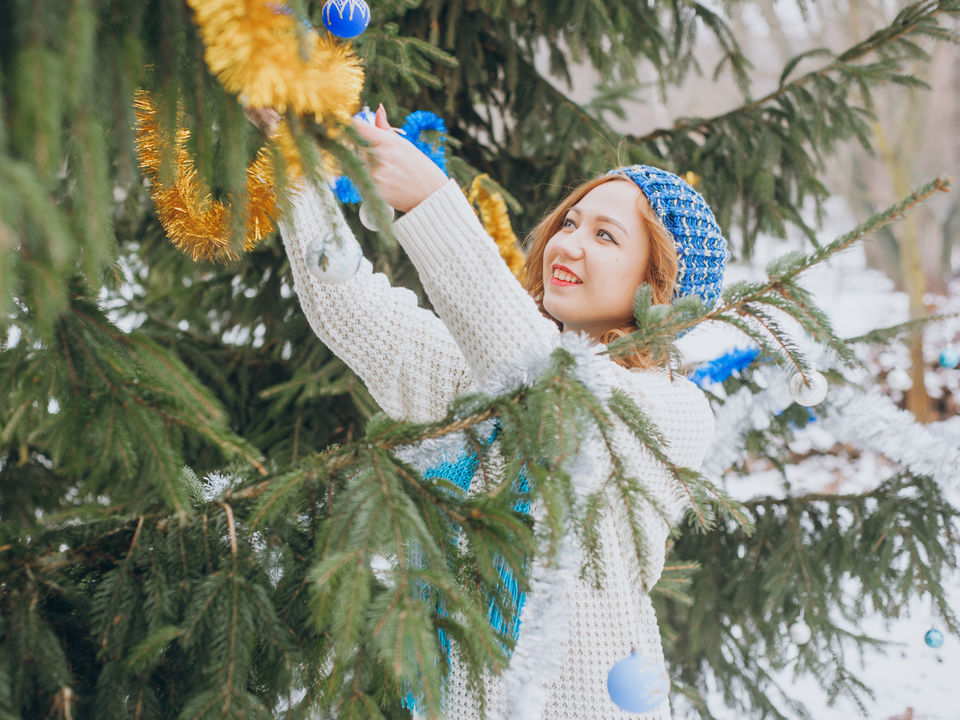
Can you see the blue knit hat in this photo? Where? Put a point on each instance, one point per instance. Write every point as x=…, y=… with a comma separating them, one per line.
x=701, y=248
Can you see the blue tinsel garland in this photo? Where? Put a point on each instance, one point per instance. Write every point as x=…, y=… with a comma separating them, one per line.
x=719, y=369
x=460, y=472
x=414, y=126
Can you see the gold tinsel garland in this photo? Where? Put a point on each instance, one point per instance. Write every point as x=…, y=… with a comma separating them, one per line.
x=195, y=223
x=496, y=221
x=255, y=50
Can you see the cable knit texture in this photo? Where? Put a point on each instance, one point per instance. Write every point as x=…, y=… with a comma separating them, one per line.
x=414, y=363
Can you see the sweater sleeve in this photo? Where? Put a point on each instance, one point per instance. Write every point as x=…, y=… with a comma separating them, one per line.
x=492, y=318
x=403, y=353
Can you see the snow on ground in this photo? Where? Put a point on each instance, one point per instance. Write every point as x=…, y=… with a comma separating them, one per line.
x=906, y=676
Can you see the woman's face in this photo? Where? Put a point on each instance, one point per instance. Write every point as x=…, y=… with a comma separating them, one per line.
x=594, y=264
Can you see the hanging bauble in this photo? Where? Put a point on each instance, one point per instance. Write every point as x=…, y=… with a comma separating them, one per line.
x=899, y=380
x=346, y=18
x=369, y=220
x=949, y=358
x=933, y=638
x=331, y=260
x=367, y=115
x=800, y=632
x=806, y=394
x=638, y=684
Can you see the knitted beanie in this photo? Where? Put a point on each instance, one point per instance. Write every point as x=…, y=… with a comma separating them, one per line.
x=701, y=248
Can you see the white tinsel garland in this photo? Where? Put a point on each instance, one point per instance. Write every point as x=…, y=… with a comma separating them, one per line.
x=865, y=419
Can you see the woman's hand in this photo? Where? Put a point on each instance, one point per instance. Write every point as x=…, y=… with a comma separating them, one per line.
x=404, y=176
x=265, y=118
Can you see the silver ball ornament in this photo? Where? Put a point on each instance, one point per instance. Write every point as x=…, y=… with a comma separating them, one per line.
x=800, y=632
x=369, y=220
x=810, y=394
x=899, y=380
x=331, y=260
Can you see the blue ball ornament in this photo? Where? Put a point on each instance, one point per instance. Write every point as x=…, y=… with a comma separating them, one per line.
x=933, y=638
x=637, y=684
x=949, y=358
x=346, y=18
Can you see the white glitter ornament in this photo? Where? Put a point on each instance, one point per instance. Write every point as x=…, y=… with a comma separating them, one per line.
x=899, y=380
x=331, y=260
x=810, y=394
x=800, y=632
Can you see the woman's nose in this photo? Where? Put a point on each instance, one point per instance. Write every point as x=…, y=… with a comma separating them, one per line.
x=569, y=245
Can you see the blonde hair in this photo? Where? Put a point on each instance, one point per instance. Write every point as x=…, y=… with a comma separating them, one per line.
x=661, y=268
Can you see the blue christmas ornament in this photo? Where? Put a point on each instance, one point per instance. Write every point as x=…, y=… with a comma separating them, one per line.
x=933, y=638
x=346, y=18
x=637, y=684
x=949, y=358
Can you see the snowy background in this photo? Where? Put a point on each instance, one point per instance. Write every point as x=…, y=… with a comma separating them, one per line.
x=910, y=680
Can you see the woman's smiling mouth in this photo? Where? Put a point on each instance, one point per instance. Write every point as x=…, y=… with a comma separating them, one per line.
x=562, y=276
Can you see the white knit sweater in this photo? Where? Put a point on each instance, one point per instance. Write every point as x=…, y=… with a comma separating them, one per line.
x=414, y=363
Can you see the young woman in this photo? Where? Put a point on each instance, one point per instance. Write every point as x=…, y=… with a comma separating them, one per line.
x=586, y=260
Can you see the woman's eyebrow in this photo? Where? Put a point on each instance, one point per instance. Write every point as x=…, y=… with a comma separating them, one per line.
x=606, y=219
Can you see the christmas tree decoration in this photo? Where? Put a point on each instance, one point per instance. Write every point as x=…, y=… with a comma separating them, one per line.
x=370, y=221
x=719, y=369
x=800, y=632
x=933, y=638
x=196, y=224
x=367, y=115
x=346, y=18
x=332, y=260
x=808, y=391
x=637, y=684
x=421, y=121
x=261, y=52
x=949, y=358
x=899, y=379
x=496, y=221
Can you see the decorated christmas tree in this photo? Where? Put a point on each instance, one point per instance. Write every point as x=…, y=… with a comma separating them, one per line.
x=203, y=512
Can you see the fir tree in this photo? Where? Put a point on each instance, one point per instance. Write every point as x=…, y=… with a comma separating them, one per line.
x=131, y=588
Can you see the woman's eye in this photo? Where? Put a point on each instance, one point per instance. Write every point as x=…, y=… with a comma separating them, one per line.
x=607, y=236
x=569, y=223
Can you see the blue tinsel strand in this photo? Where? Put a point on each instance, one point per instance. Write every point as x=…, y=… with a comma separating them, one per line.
x=415, y=124
x=422, y=120
x=721, y=368
x=460, y=472
x=347, y=191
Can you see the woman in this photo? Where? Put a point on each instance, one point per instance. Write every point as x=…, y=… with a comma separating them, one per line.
x=586, y=260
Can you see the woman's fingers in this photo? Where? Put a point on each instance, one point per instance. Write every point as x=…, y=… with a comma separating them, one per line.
x=382, y=121
x=265, y=118
x=372, y=134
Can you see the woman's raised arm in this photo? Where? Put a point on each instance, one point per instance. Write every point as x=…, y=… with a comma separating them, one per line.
x=494, y=321
x=403, y=353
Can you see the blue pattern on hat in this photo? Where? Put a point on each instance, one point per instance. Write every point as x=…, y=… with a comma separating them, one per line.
x=701, y=247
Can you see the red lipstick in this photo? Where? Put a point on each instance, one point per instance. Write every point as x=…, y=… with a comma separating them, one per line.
x=563, y=283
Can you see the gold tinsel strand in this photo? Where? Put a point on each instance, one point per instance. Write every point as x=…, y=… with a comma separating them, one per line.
x=255, y=50
x=195, y=223
x=496, y=221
